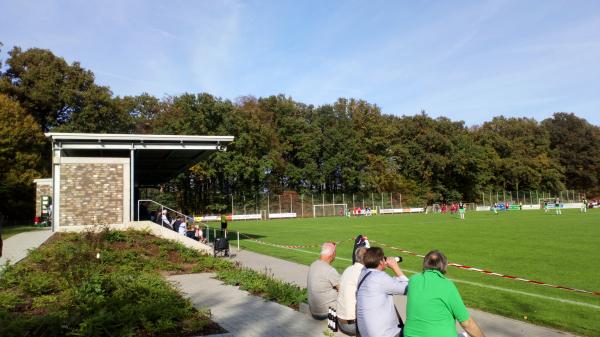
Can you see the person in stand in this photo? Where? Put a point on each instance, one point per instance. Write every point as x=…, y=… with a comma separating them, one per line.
x=199, y=233
x=164, y=219
x=376, y=314
x=346, y=300
x=557, y=206
x=434, y=304
x=182, y=227
x=323, y=283
x=224, y=225
x=360, y=241
x=175, y=224
x=461, y=210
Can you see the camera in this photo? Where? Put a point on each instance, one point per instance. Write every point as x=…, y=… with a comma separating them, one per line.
x=397, y=258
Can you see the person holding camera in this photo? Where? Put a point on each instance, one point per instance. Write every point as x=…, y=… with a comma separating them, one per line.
x=376, y=315
x=434, y=303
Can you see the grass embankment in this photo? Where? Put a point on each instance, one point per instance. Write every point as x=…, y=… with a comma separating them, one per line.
x=63, y=288
x=530, y=244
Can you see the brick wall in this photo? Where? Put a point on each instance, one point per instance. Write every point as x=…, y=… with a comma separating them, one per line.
x=41, y=190
x=91, y=193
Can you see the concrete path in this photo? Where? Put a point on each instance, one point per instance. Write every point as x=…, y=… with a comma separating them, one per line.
x=492, y=325
x=245, y=315
x=17, y=246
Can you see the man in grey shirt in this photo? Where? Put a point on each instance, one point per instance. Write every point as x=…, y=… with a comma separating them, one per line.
x=376, y=315
x=323, y=282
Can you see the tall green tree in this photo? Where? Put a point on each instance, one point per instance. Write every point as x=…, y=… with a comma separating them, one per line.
x=574, y=142
x=22, y=144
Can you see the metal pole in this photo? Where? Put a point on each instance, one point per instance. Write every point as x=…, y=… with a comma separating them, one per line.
x=291, y=209
x=232, y=204
x=268, y=205
x=333, y=202
x=372, y=201
x=302, y=205
x=400, y=200
x=207, y=234
x=391, y=201
x=238, y=240
x=138, y=213
x=353, y=200
x=244, y=198
x=381, y=199
x=132, y=182
x=279, y=198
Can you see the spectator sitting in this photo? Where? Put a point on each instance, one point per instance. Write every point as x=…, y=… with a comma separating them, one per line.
x=182, y=227
x=165, y=221
x=376, y=315
x=323, y=282
x=346, y=301
x=199, y=234
x=175, y=224
x=434, y=303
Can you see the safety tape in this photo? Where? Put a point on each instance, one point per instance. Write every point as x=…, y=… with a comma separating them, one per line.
x=491, y=273
x=291, y=246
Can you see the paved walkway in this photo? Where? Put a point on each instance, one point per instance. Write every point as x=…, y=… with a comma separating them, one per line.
x=492, y=325
x=17, y=246
x=245, y=315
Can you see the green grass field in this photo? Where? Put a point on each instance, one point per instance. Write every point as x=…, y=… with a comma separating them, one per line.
x=561, y=250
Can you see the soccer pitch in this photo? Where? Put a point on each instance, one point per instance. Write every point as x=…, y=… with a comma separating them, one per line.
x=561, y=250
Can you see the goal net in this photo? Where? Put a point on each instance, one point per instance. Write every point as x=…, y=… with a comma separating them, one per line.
x=330, y=210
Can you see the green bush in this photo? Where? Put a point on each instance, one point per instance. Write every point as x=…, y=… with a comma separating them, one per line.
x=39, y=283
x=10, y=299
x=71, y=292
x=264, y=285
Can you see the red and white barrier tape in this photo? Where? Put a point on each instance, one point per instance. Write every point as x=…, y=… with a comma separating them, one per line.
x=290, y=246
x=490, y=273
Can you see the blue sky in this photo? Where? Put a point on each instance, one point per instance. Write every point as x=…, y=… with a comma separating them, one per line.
x=467, y=60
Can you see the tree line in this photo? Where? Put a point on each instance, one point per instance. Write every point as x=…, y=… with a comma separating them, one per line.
x=281, y=144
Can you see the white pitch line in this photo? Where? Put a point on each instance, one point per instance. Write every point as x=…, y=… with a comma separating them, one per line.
x=583, y=304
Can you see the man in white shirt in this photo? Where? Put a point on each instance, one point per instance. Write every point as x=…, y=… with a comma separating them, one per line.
x=346, y=301
x=323, y=282
x=376, y=315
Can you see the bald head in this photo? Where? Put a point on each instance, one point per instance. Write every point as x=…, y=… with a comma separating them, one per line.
x=328, y=252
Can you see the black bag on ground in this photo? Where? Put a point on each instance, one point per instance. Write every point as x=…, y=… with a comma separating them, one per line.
x=221, y=244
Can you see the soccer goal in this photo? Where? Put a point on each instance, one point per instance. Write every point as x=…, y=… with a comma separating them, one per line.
x=330, y=210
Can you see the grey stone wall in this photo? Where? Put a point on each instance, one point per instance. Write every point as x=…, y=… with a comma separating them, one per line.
x=40, y=190
x=91, y=194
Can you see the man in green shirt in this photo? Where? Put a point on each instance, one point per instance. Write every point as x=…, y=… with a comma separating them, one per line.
x=434, y=303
